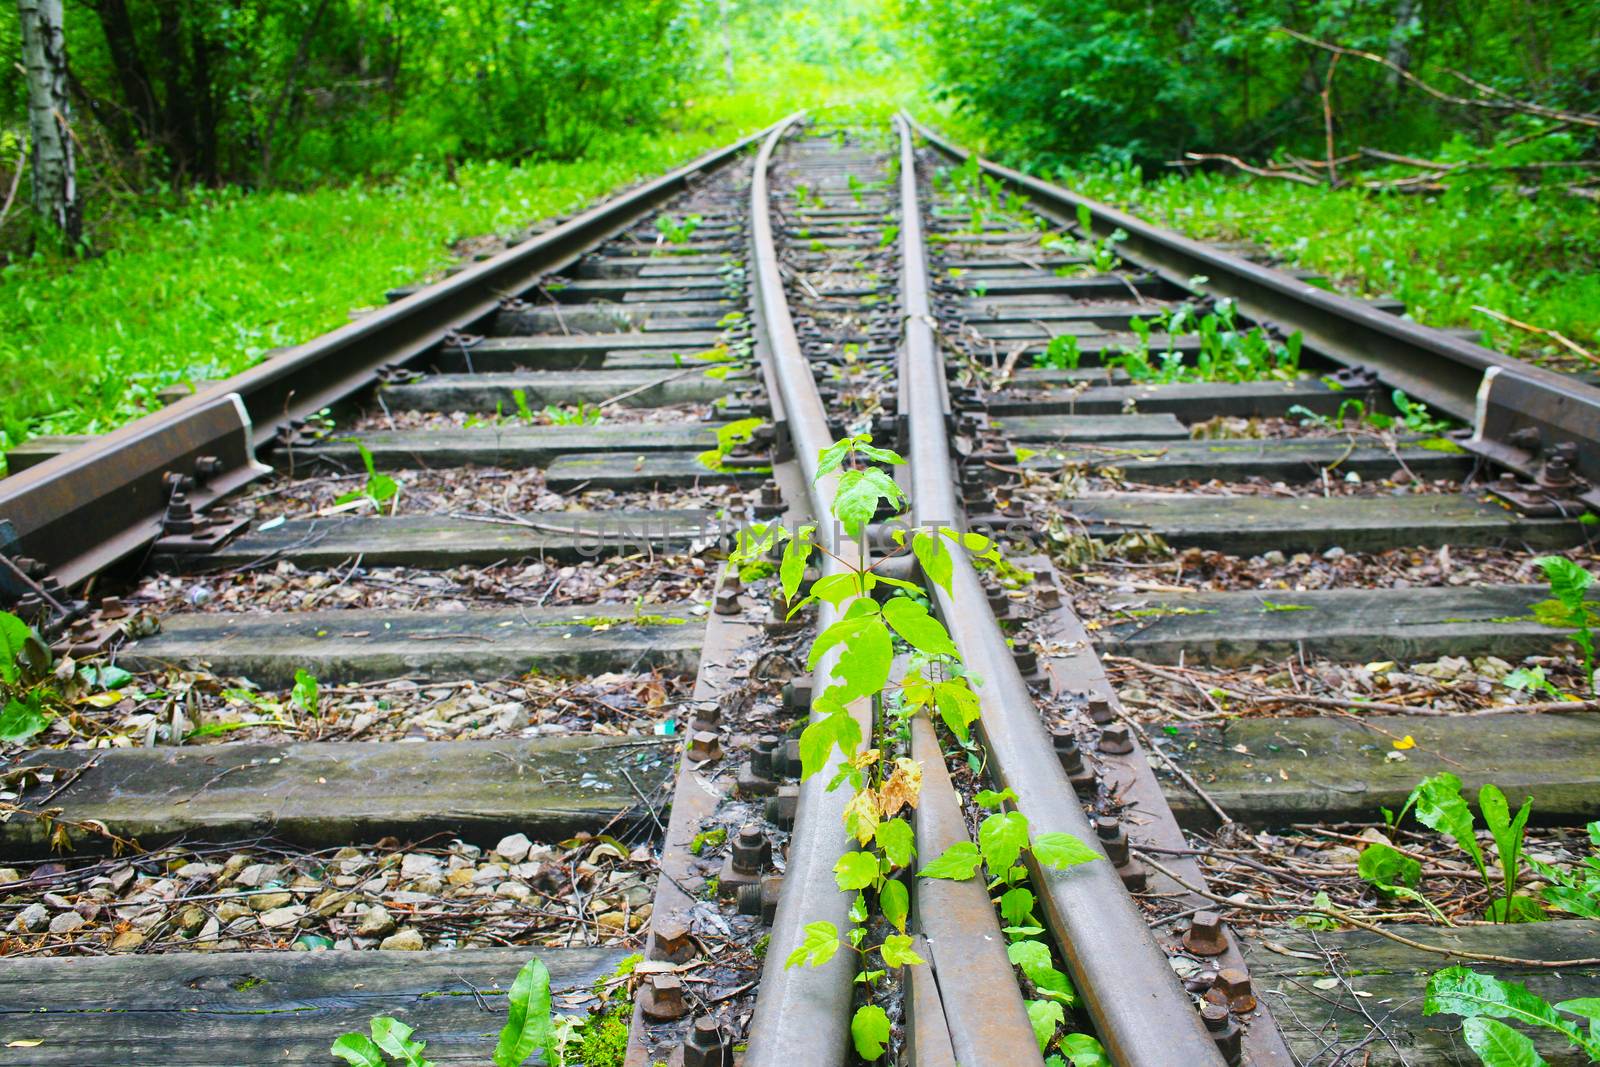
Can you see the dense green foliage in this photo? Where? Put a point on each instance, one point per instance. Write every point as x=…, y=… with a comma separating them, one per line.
x=1058, y=80
x=1536, y=259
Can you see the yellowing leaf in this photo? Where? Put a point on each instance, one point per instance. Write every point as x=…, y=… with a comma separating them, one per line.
x=1406, y=742
x=861, y=815
x=903, y=787
x=25, y=1042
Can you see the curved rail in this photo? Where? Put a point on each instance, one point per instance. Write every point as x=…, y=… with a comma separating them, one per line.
x=803, y=1007
x=1142, y=1015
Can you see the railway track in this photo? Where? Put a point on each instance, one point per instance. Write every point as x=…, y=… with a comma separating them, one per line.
x=418, y=637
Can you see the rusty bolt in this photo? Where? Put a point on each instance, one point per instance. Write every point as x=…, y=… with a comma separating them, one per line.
x=707, y=714
x=207, y=466
x=728, y=601
x=780, y=809
x=1205, y=936
x=1224, y=1031
x=1047, y=597
x=703, y=746
x=1116, y=739
x=752, y=851
x=670, y=939
x=1113, y=838
x=704, y=1047
x=1099, y=709
x=1233, y=987
x=1067, y=751
x=661, y=998
x=771, y=495
x=761, y=898
x=761, y=757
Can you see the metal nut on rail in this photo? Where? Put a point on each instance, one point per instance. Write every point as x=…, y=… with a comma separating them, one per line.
x=752, y=850
x=1099, y=709
x=661, y=998
x=704, y=746
x=1116, y=739
x=728, y=601
x=704, y=1047
x=670, y=941
x=707, y=714
x=1206, y=935
x=1113, y=838
x=761, y=898
x=1071, y=756
x=1232, y=987
x=780, y=809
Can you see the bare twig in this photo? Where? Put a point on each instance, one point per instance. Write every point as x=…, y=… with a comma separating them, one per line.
x=1559, y=338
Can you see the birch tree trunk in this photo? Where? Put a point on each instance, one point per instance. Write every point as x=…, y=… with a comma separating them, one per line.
x=44, y=58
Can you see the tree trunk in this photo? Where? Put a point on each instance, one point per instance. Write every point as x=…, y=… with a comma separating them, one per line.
x=55, y=178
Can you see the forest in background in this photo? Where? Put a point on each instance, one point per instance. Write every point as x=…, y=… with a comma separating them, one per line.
x=253, y=168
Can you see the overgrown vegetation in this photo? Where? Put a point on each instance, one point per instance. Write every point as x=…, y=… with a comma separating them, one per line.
x=859, y=649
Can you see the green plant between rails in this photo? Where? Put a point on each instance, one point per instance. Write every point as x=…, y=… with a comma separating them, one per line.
x=531, y=1026
x=1482, y=1000
x=1227, y=353
x=379, y=489
x=1569, y=607
x=883, y=784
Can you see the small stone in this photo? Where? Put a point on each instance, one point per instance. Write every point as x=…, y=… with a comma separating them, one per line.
x=612, y=920
x=513, y=849
x=407, y=940
x=462, y=876
x=419, y=865
x=191, y=917
x=1274, y=558
x=193, y=871
x=377, y=922
x=9, y=874
x=121, y=879
x=34, y=917
x=127, y=940
x=1334, y=553
x=510, y=716
x=513, y=891
x=66, y=922
x=258, y=874
x=57, y=902
x=489, y=874
x=236, y=863
x=278, y=918
x=206, y=939
x=229, y=910
x=269, y=901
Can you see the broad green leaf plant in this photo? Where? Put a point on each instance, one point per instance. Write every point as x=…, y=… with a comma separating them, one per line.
x=1568, y=607
x=530, y=1027
x=1483, y=1000
x=860, y=647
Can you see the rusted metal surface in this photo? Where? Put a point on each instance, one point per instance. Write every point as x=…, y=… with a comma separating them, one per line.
x=983, y=1012
x=1549, y=434
x=1432, y=365
x=89, y=507
x=85, y=509
x=803, y=1007
x=1142, y=1015
x=927, y=1036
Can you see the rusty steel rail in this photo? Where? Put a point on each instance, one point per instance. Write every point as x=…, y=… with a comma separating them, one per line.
x=1142, y=1015
x=84, y=510
x=1436, y=367
x=802, y=1007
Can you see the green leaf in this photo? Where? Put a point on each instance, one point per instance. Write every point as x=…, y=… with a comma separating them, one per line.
x=1459, y=991
x=835, y=589
x=898, y=842
x=934, y=556
x=796, y=554
x=1046, y=1017
x=863, y=669
x=855, y=870
x=304, y=693
x=895, y=901
x=20, y=721
x=1568, y=581
x=957, y=863
x=394, y=1037
x=1058, y=851
x=1588, y=1008
x=817, y=947
x=1084, y=1051
x=358, y=1050
x=1507, y=833
x=819, y=738
x=1497, y=1045
x=1439, y=807
x=920, y=630
x=1385, y=868
x=829, y=459
x=1514, y=909
x=528, y=1023
x=958, y=705
x=1033, y=957
x=859, y=493
x=1001, y=838
x=869, y=1029
x=882, y=455
x=1016, y=905
x=989, y=800
x=896, y=951
x=20, y=646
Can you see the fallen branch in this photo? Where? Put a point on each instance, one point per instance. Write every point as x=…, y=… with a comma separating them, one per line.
x=1559, y=338
x=1498, y=101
